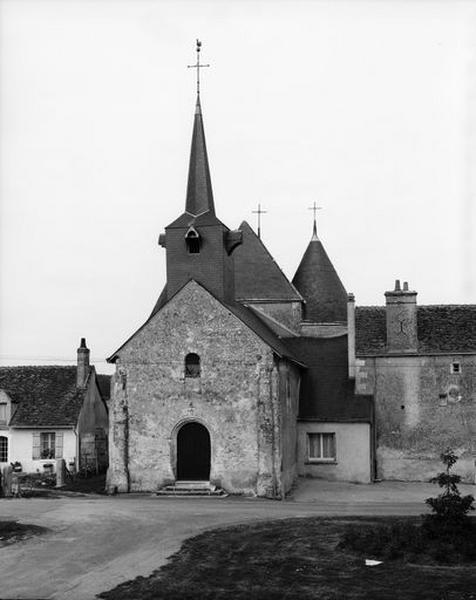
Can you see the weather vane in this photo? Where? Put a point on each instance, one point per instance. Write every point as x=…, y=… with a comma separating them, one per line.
x=315, y=208
x=259, y=212
x=198, y=66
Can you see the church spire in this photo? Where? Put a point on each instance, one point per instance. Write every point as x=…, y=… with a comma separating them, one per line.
x=199, y=187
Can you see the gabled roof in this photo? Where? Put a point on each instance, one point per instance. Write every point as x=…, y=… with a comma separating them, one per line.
x=199, y=188
x=46, y=396
x=257, y=275
x=248, y=316
x=447, y=328
x=161, y=301
x=317, y=281
x=253, y=320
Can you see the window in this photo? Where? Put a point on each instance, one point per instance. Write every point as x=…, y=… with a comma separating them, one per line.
x=192, y=239
x=322, y=446
x=192, y=365
x=47, y=445
x=3, y=449
x=3, y=412
x=455, y=367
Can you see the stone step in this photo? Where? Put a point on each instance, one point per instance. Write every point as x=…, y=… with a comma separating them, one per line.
x=196, y=485
x=191, y=489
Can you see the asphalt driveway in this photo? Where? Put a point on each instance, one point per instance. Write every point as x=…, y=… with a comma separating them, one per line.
x=97, y=542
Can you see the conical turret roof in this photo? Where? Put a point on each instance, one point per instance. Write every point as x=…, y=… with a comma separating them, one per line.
x=199, y=188
x=318, y=282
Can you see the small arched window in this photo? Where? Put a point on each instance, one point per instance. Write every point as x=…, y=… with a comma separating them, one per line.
x=192, y=239
x=192, y=365
x=3, y=449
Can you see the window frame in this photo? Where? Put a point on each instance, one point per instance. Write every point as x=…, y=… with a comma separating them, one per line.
x=5, y=420
x=192, y=370
x=322, y=458
x=455, y=367
x=3, y=448
x=48, y=450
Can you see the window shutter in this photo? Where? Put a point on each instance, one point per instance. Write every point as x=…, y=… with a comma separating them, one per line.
x=59, y=445
x=36, y=445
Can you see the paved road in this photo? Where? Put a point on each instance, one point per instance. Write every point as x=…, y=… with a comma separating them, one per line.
x=98, y=542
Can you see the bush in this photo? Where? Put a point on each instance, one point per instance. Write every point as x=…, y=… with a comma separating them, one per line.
x=446, y=536
x=450, y=518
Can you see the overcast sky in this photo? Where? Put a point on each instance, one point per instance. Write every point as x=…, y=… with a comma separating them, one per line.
x=367, y=108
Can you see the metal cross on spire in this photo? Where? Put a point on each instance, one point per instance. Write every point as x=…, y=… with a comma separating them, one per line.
x=259, y=212
x=315, y=208
x=198, y=66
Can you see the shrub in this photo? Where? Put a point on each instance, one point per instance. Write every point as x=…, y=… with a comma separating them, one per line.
x=449, y=518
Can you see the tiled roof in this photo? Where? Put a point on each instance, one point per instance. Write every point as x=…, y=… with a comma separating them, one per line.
x=45, y=396
x=317, y=281
x=447, y=328
x=326, y=392
x=257, y=275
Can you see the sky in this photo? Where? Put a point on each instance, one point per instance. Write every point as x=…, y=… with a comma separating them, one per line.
x=367, y=108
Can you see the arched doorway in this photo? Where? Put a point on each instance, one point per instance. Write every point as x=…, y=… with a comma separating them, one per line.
x=193, y=452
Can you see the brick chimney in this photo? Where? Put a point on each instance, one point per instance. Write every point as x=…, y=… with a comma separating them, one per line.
x=83, y=364
x=401, y=316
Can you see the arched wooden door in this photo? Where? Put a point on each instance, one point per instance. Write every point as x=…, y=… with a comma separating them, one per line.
x=193, y=453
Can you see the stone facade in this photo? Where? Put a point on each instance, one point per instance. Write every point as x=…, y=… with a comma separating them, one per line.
x=244, y=397
x=422, y=408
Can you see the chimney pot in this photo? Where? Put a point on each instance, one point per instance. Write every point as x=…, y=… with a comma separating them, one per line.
x=397, y=285
x=405, y=286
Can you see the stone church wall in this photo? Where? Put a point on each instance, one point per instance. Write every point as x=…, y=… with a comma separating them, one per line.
x=235, y=398
x=422, y=407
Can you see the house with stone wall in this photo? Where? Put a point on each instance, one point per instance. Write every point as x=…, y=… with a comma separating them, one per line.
x=419, y=363
x=52, y=412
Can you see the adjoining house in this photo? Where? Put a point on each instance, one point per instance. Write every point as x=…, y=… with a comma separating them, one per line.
x=51, y=412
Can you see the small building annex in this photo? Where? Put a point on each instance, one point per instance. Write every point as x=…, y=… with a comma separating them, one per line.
x=52, y=412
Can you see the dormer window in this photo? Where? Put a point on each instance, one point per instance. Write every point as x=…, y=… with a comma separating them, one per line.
x=192, y=239
x=192, y=365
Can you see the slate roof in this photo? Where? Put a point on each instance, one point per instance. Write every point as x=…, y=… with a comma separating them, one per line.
x=199, y=188
x=257, y=275
x=447, y=328
x=318, y=282
x=260, y=326
x=104, y=385
x=46, y=396
x=327, y=393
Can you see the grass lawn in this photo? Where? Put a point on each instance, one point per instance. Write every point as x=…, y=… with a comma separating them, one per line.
x=292, y=558
x=11, y=532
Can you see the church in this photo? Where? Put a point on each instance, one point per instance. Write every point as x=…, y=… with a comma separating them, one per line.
x=243, y=380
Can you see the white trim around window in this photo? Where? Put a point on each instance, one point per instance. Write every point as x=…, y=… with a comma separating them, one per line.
x=321, y=447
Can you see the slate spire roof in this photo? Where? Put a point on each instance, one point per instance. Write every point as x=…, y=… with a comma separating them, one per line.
x=199, y=187
x=317, y=281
